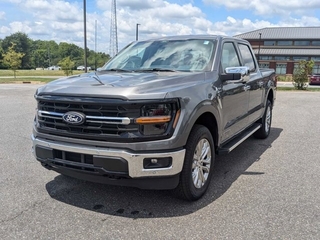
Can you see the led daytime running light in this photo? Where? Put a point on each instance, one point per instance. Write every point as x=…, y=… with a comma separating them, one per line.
x=153, y=120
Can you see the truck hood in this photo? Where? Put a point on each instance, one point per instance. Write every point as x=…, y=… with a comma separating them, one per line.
x=133, y=85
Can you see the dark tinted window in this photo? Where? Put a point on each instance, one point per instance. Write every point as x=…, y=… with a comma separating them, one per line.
x=315, y=43
x=297, y=58
x=269, y=43
x=281, y=58
x=284, y=43
x=265, y=57
x=301, y=43
x=247, y=56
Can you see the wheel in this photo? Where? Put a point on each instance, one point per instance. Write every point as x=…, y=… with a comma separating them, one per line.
x=198, y=164
x=264, y=131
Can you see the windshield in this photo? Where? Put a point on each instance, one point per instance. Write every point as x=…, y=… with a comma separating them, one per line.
x=170, y=55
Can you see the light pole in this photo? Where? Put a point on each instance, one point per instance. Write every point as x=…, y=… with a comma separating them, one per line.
x=95, y=46
x=85, y=35
x=259, y=48
x=137, y=29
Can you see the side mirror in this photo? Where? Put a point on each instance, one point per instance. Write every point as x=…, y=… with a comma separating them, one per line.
x=236, y=74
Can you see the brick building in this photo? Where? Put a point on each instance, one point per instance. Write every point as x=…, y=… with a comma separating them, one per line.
x=282, y=48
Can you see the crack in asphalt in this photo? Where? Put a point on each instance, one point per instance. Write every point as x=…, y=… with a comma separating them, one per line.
x=34, y=205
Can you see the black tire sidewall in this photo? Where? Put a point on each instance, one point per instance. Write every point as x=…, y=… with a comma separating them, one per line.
x=186, y=182
x=262, y=133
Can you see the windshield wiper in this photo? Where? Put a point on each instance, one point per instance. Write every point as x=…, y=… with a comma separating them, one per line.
x=155, y=70
x=117, y=70
x=96, y=77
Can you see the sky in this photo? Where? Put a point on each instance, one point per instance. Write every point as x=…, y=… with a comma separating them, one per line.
x=62, y=20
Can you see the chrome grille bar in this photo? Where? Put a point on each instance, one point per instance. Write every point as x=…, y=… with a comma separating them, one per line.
x=92, y=119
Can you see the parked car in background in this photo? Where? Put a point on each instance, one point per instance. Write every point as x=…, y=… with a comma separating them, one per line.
x=314, y=79
x=103, y=67
x=83, y=68
x=54, y=68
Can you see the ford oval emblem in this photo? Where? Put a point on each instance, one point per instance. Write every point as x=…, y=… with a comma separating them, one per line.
x=74, y=118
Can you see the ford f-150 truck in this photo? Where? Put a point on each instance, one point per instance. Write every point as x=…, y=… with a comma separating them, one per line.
x=156, y=115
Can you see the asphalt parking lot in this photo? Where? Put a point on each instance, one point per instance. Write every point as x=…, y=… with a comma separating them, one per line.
x=264, y=189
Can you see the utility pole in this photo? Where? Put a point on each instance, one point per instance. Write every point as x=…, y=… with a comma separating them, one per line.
x=137, y=31
x=48, y=55
x=95, y=46
x=259, y=48
x=113, y=30
x=85, y=35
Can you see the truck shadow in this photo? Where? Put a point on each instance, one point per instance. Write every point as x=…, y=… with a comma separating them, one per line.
x=136, y=203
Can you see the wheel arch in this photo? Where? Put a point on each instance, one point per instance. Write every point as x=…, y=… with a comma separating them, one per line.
x=271, y=96
x=207, y=116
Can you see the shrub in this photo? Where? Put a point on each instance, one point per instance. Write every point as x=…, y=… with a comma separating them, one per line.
x=67, y=65
x=300, y=75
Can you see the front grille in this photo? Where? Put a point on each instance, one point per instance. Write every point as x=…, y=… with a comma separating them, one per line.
x=105, y=119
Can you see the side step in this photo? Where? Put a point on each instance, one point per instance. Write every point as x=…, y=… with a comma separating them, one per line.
x=235, y=142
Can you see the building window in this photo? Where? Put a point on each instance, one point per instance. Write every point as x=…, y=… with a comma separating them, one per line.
x=281, y=58
x=269, y=43
x=295, y=68
x=316, y=69
x=284, y=43
x=315, y=43
x=281, y=68
x=264, y=65
x=265, y=57
x=316, y=59
x=299, y=58
x=301, y=43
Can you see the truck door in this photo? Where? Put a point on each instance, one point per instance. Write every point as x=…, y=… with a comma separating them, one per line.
x=234, y=96
x=254, y=85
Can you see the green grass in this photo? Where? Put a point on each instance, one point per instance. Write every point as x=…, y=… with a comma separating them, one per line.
x=9, y=73
x=26, y=80
x=293, y=89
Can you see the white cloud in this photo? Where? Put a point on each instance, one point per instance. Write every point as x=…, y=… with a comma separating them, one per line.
x=62, y=20
x=5, y=30
x=2, y=15
x=19, y=27
x=269, y=7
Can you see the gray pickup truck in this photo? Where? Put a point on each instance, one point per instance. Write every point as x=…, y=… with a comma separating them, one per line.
x=156, y=115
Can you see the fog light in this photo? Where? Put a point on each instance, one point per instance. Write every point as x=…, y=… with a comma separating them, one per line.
x=151, y=163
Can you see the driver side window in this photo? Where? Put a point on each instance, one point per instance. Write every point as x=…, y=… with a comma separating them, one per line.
x=229, y=56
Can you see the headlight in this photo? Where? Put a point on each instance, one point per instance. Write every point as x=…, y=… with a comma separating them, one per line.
x=157, y=119
x=36, y=122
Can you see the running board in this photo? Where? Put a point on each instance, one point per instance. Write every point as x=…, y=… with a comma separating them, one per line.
x=229, y=146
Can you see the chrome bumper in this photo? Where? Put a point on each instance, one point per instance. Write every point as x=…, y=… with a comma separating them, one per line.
x=135, y=160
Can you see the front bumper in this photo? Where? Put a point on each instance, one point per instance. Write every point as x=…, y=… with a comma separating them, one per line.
x=131, y=165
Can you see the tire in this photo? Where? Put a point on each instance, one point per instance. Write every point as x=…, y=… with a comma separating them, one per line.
x=198, y=167
x=266, y=120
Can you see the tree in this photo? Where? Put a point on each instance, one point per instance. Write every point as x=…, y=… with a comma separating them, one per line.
x=13, y=59
x=67, y=65
x=300, y=75
x=22, y=45
x=97, y=59
x=1, y=54
x=41, y=53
